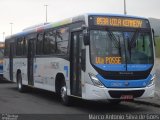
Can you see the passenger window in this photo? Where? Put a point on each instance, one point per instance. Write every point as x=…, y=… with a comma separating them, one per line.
x=62, y=40
x=39, y=44
x=49, y=43
x=19, y=47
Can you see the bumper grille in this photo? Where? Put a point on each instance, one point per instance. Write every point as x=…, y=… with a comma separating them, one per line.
x=118, y=94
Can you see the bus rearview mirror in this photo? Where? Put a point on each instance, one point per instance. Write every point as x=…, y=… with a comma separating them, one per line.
x=86, y=38
x=153, y=37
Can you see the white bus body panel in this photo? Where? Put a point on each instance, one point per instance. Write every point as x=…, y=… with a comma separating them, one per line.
x=46, y=69
x=20, y=64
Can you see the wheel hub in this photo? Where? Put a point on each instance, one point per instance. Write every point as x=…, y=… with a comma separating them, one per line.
x=63, y=93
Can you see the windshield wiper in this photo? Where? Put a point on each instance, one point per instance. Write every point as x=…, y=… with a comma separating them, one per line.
x=133, y=39
x=116, y=42
x=131, y=43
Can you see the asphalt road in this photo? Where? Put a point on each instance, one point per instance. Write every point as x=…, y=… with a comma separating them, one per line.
x=43, y=102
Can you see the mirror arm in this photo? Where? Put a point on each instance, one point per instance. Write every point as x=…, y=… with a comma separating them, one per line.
x=86, y=37
x=153, y=37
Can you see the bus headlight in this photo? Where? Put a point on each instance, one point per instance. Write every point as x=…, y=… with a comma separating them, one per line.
x=152, y=80
x=95, y=80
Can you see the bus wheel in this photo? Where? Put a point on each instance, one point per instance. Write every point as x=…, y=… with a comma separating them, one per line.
x=64, y=97
x=19, y=83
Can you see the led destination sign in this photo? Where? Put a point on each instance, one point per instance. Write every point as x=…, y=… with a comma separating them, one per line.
x=108, y=60
x=121, y=22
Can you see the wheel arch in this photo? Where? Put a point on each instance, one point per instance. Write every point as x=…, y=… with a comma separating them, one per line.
x=59, y=81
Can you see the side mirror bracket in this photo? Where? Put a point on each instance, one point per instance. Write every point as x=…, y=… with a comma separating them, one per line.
x=153, y=37
x=86, y=37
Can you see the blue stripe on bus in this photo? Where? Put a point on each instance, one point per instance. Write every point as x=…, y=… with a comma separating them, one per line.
x=121, y=67
x=111, y=67
x=138, y=67
x=66, y=69
x=124, y=83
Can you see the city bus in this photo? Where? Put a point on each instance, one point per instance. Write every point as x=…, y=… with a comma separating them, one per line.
x=1, y=58
x=100, y=57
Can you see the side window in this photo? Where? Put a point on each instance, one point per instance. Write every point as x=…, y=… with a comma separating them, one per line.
x=24, y=46
x=62, y=40
x=39, y=44
x=14, y=48
x=19, y=47
x=6, y=51
x=49, y=43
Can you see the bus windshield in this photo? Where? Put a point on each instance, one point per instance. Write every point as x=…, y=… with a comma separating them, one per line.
x=121, y=47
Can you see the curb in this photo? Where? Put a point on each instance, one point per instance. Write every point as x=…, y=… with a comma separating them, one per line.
x=151, y=102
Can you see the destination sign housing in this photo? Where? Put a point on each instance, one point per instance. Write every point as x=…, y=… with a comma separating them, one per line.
x=119, y=22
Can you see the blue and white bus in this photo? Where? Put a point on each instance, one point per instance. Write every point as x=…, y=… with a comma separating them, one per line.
x=91, y=56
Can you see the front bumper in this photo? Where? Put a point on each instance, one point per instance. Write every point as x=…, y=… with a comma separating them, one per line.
x=95, y=93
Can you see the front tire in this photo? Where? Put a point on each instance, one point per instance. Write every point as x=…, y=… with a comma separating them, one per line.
x=64, y=97
x=20, y=86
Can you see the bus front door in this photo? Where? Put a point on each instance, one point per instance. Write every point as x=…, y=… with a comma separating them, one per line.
x=75, y=63
x=31, y=50
x=11, y=61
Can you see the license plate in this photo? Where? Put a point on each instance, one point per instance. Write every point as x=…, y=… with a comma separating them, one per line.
x=127, y=97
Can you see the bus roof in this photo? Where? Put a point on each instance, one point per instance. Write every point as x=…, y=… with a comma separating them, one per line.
x=82, y=17
x=118, y=15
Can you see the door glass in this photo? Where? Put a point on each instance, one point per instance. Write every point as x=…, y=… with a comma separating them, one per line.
x=75, y=64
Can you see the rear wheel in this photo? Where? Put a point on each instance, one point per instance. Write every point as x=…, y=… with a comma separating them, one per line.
x=20, y=87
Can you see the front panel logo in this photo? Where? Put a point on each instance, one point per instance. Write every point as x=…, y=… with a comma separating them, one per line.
x=126, y=83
